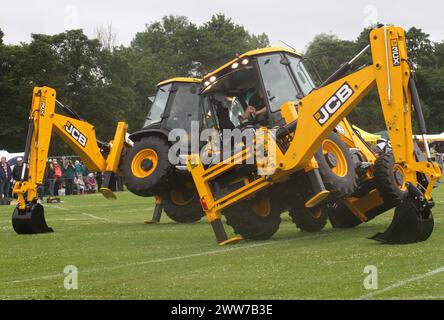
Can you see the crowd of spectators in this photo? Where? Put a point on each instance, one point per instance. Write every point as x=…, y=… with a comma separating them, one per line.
x=63, y=176
x=66, y=176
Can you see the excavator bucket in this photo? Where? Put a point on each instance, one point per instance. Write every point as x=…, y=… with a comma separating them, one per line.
x=412, y=221
x=31, y=220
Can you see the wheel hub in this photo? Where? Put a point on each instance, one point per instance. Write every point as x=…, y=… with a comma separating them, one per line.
x=146, y=164
x=331, y=160
x=399, y=178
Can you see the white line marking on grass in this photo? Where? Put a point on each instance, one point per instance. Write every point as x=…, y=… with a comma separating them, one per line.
x=200, y=254
x=51, y=276
x=404, y=282
x=87, y=214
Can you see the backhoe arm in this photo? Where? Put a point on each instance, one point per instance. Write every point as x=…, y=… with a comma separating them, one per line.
x=76, y=133
x=322, y=110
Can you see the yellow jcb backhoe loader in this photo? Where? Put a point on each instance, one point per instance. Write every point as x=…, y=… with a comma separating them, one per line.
x=28, y=217
x=314, y=167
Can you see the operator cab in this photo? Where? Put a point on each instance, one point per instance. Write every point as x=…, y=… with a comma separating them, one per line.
x=175, y=105
x=271, y=76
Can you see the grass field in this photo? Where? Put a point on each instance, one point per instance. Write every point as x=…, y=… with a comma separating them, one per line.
x=118, y=257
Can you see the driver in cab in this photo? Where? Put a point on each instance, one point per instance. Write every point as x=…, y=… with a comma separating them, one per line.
x=256, y=107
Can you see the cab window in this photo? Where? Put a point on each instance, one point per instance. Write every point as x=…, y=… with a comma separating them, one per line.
x=184, y=108
x=302, y=76
x=157, y=109
x=278, y=83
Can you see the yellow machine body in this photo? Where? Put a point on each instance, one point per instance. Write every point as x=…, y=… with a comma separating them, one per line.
x=77, y=134
x=318, y=113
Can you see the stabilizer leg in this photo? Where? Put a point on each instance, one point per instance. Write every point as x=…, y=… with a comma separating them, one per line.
x=320, y=193
x=157, y=213
x=221, y=235
x=412, y=221
x=106, y=188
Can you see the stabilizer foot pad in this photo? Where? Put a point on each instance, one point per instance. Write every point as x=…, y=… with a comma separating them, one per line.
x=317, y=199
x=233, y=240
x=108, y=193
x=150, y=222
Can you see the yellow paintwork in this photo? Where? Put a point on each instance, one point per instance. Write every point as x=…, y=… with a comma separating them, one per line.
x=353, y=141
x=317, y=199
x=359, y=206
x=289, y=112
x=367, y=136
x=45, y=121
x=179, y=79
x=251, y=53
x=136, y=163
x=233, y=240
x=330, y=147
x=310, y=134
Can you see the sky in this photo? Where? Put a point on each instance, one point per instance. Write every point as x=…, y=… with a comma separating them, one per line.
x=295, y=22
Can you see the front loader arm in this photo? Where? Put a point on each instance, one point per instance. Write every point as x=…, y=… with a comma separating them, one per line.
x=77, y=134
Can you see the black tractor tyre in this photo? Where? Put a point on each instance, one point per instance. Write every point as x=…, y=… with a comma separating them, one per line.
x=341, y=217
x=308, y=220
x=182, y=205
x=345, y=181
x=246, y=222
x=388, y=182
x=146, y=167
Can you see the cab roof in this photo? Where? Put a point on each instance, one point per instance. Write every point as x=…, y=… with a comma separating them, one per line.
x=179, y=79
x=253, y=53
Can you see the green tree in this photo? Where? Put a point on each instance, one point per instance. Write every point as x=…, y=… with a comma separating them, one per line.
x=95, y=82
x=220, y=39
x=420, y=47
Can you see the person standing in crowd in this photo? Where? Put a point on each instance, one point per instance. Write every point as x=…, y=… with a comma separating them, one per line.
x=5, y=178
x=79, y=172
x=18, y=169
x=51, y=178
x=57, y=176
x=90, y=183
x=69, y=174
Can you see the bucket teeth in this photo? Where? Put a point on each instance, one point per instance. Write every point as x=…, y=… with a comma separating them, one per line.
x=31, y=220
x=412, y=221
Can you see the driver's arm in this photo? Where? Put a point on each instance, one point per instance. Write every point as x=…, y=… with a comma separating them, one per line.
x=248, y=111
x=260, y=111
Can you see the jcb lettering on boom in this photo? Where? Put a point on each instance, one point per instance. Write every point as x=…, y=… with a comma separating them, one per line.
x=76, y=134
x=334, y=104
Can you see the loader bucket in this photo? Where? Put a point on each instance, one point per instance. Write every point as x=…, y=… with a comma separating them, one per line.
x=412, y=221
x=31, y=220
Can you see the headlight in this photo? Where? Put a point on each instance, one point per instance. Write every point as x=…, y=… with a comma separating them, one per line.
x=235, y=65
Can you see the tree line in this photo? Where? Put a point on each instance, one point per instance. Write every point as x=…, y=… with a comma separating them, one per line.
x=105, y=83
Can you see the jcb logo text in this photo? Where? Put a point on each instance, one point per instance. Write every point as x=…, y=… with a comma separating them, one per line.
x=76, y=134
x=333, y=104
